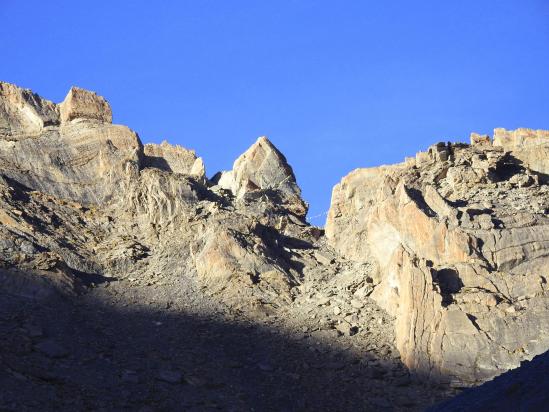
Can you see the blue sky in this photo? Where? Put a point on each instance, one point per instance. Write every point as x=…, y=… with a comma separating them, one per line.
x=335, y=85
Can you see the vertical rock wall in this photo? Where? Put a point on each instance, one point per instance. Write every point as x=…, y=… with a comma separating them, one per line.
x=462, y=259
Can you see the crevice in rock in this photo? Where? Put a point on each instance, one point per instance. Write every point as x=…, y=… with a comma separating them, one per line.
x=448, y=282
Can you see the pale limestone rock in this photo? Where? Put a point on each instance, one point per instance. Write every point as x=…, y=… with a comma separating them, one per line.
x=454, y=247
x=87, y=164
x=23, y=113
x=174, y=159
x=83, y=161
x=145, y=203
x=531, y=147
x=158, y=197
x=455, y=240
x=263, y=168
x=440, y=206
x=228, y=258
x=80, y=104
x=198, y=168
x=480, y=139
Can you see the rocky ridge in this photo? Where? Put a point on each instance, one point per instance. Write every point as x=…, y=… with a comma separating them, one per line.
x=459, y=237
x=420, y=260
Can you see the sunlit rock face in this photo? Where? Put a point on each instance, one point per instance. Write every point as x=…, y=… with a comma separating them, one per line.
x=460, y=238
x=528, y=146
x=70, y=150
x=453, y=243
x=263, y=167
x=174, y=159
x=102, y=201
x=23, y=113
x=80, y=104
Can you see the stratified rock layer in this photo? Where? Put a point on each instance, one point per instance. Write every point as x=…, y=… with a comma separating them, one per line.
x=146, y=201
x=174, y=159
x=453, y=243
x=460, y=238
x=80, y=104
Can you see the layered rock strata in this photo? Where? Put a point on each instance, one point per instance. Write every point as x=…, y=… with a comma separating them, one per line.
x=460, y=239
x=135, y=208
x=453, y=244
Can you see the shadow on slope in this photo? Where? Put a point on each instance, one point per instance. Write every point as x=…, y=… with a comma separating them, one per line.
x=83, y=354
x=523, y=389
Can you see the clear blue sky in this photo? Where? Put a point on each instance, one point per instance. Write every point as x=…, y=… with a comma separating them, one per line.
x=336, y=85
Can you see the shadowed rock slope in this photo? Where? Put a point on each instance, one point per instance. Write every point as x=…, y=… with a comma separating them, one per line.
x=523, y=389
x=114, y=253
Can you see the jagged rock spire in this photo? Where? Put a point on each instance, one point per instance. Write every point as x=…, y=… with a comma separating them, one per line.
x=263, y=167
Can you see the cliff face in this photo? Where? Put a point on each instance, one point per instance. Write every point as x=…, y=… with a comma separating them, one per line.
x=135, y=201
x=453, y=244
x=460, y=238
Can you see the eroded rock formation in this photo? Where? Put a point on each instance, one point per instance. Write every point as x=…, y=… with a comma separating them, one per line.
x=154, y=197
x=460, y=238
x=263, y=167
x=453, y=244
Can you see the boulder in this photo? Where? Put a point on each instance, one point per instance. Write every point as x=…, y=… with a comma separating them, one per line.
x=80, y=104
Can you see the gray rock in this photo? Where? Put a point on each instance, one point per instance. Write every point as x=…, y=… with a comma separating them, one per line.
x=263, y=167
x=455, y=245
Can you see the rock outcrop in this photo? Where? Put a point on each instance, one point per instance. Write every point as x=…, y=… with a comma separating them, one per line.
x=69, y=150
x=263, y=168
x=148, y=199
x=80, y=104
x=174, y=159
x=449, y=250
x=460, y=239
x=528, y=146
x=23, y=113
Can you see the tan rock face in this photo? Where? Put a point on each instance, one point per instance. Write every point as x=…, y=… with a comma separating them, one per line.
x=145, y=202
x=527, y=145
x=452, y=243
x=459, y=253
x=23, y=113
x=263, y=168
x=480, y=139
x=83, y=161
x=80, y=104
x=174, y=159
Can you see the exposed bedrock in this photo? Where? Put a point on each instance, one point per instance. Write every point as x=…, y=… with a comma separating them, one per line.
x=122, y=207
x=453, y=243
x=460, y=238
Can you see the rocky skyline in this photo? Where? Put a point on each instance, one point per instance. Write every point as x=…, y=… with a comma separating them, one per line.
x=430, y=275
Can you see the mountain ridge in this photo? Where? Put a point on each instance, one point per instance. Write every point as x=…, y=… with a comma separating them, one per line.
x=431, y=270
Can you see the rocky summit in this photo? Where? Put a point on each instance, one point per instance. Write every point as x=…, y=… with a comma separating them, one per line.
x=129, y=280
